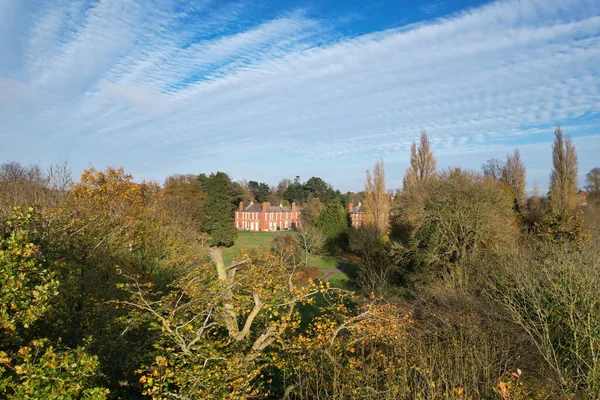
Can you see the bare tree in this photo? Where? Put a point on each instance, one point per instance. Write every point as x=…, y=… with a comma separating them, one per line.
x=311, y=240
x=422, y=162
x=563, y=179
x=592, y=181
x=377, y=201
x=493, y=168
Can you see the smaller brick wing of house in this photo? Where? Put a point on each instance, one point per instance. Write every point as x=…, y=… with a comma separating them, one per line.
x=356, y=215
x=265, y=217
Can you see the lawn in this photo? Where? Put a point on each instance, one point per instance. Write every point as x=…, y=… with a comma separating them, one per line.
x=248, y=240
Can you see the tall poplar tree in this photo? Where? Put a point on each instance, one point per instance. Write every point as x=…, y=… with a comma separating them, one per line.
x=513, y=174
x=377, y=202
x=563, y=179
x=422, y=163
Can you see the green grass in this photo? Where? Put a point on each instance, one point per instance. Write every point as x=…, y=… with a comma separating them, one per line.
x=248, y=240
x=340, y=281
x=323, y=262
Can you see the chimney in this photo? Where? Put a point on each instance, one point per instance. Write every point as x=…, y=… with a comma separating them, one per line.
x=241, y=206
x=293, y=206
x=264, y=206
x=350, y=206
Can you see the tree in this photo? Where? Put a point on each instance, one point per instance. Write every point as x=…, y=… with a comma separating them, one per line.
x=592, y=181
x=294, y=192
x=224, y=327
x=422, y=163
x=455, y=216
x=334, y=224
x=30, y=365
x=563, y=179
x=319, y=189
x=183, y=200
x=377, y=202
x=493, y=168
x=311, y=212
x=259, y=190
x=375, y=268
x=311, y=240
x=282, y=187
x=219, y=208
x=513, y=175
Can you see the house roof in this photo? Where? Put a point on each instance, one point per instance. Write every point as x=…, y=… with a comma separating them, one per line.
x=357, y=209
x=258, y=208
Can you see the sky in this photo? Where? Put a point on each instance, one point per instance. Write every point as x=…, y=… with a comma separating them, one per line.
x=265, y=90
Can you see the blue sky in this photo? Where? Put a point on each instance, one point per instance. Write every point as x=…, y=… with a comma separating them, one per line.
x=274, y=89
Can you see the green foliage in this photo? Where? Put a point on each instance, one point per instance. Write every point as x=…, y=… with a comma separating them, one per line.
x=376, y=268
x=27, y=284
x=220, y=203
x=42, y=372
x=333, y=222
x=32, y=368
x=260, y=191
x=454, y=216
x=294, y=193
x=314, y=188
x=561, y=227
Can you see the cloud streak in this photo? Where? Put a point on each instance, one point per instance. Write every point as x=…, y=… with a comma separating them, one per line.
x=206, y=86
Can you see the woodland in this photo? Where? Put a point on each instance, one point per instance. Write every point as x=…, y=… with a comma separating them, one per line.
x=467, y=286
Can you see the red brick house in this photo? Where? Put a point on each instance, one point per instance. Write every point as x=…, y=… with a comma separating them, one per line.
x=356, y=215
x=265, y=217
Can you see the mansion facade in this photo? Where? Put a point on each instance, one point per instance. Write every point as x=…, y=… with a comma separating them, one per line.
x=356, y=215
x=265, y=217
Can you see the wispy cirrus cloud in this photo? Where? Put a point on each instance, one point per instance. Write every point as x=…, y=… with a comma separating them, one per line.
x=172, y=86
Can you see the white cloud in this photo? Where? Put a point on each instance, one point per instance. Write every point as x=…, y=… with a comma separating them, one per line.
x=202, y=88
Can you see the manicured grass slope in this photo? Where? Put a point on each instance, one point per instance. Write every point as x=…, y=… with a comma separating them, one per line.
x=248, y=240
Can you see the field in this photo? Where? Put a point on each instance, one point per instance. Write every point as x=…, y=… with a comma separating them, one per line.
x=328, y=265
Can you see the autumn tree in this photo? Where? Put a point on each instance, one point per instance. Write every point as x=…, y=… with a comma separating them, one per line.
x=563, y=179
x=333, y=222
x=219, y=207
x=223, y=328
x=377, y=202
x=422, y=163
x=183, y=199
x=513, y=175
x=592, y=182
x=310, y=213
x=30, y=364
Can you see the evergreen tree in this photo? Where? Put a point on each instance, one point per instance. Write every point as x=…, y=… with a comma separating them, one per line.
x=260, y=191
x=333, y=221
x=294, y=193
x=221, y=196
x=563, y=179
